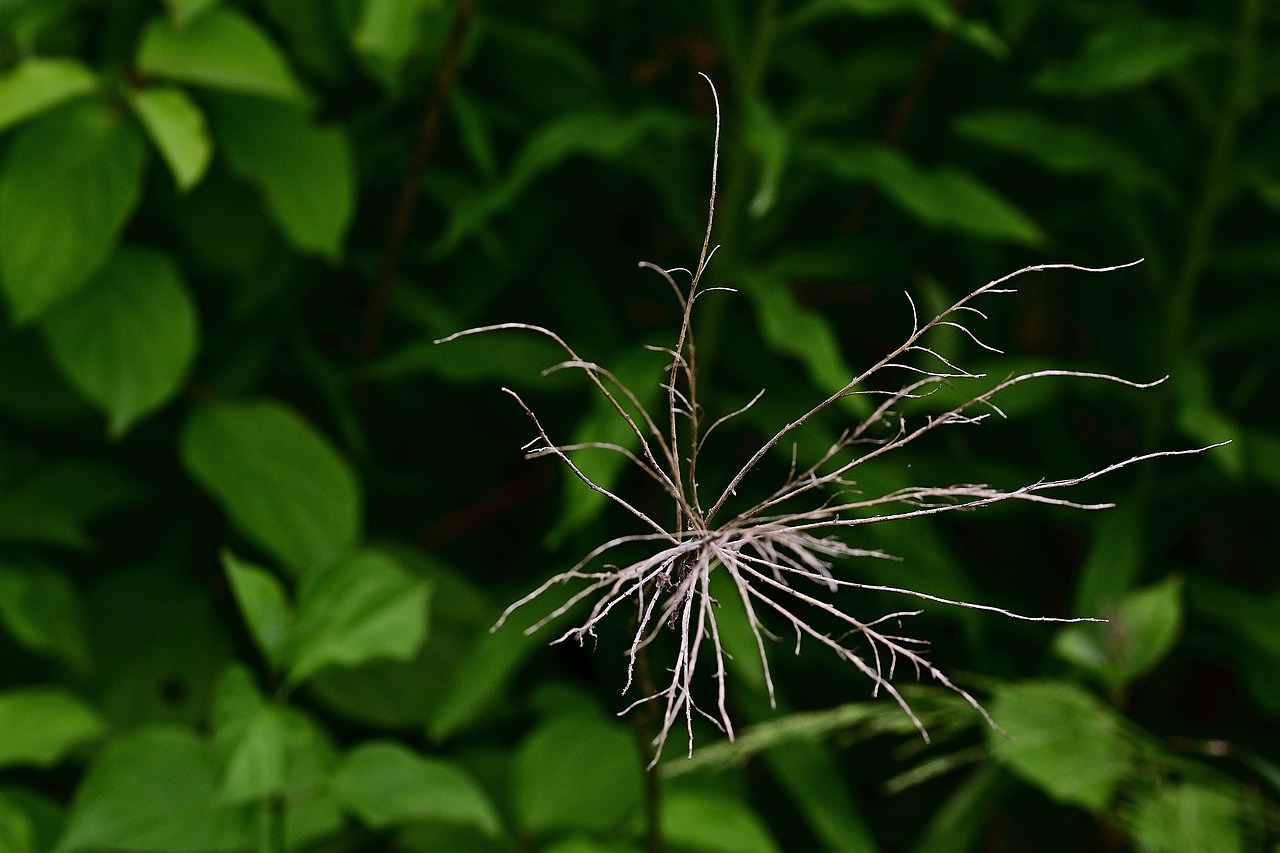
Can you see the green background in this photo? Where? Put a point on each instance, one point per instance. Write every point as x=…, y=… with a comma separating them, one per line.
x=255, y=526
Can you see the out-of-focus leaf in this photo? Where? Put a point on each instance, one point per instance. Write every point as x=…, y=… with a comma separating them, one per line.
x=1060, y=147
x=39, y=83
x=126, y=340
x=945, y=198
x=511, y=359
x=938, y=13
x=221, y=49
x=41, y=726
x=250, y=734
x=388, y=32
x=1250, y=622
x=1136, y=637
x=263, y=604
x=387, y=784
x=642, y=372
x=278, y=478
x=39, y=608
x=306, y=172
x=577, y=772
x=31, y=386
x=178, y=129
x=715, y=823
x=1129, y=53
x=1114, y=561
x=768, y=139
x=588, y=845
x=601, y=135
x=154, y=790
x=1061, y=740
x=364, y=607
x=79, y=164
x=316, y=35
x=1186, y=817
x=1200, y=417
x=958, y=825
x=477, y=137
x=183, y=12
x=54, y=505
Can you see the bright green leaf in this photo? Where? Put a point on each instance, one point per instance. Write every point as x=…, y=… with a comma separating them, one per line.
x=1061, y=740
x=306, y=172
x=577, y=772
x=178, y=128
x=222, y=49
x=68, y=184
x=39, y=608
x=183, y=12
x=55, y=503
x=154, y=790
x=37, y=84
x=41, y=726
x=128, y=339
x=715, y=823
x=387, y=32
x=263, y=604
x=387, y=784
x=362, y=608
x=1136, y=637
x=1129, y=53
x=1186, y=817
x=278, y=478
x=251, y=735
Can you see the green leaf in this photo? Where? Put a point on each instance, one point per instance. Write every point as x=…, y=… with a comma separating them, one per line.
x=183, y=12
x=41, y=726
x=278, y=478
x=387, y=784
x=944, y=198
x=387, y=33
x=154, y=790
x=1249, y=621
x=54, y=505
x=1186, y=817
x=178, y=129
x=641, y=371
x=305, y=172
x=577, y=772
x=222, y=49
x=1135, y=638
x=1060, y=147
x=263, y=604
x=715, y=823
x=939, y=13
x=964, y=817
x=252, y=737
x=128, y=339
x=1061, y=740
x=39, y=608
x=37, y=84
x=1127, y=54
x=68, y=184
x=1114, y=561
x=362, y=608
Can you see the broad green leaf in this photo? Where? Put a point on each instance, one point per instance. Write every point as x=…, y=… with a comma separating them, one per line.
x=128, y=339
x=40, y=610
x=41, y=726
x=306, y=172
x=1137, y=635
x=251, y=737
x=713, y=822
x=263, y=604
x=17, y=829
x=364, y=607
x=38, y=83
x=222, y=49
x=1061, y=740
x=577, y=772
x=387, y=784
x=277, y=477
x=944, y=198
x=1114, y=561
x=1186, y=817
x=589, y=845
x=183, y=12
x=56, y=502
x=1060, y=147
x=178, y=129
x=1129, y=53
x=641, y=371
x=387, y=33
x=69, y=182
x=154, y=790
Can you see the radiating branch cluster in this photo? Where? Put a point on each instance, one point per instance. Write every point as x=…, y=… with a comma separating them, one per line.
x=780, y=552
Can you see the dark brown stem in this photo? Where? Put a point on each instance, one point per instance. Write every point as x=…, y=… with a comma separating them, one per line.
x=642, y=724
x=428, y=135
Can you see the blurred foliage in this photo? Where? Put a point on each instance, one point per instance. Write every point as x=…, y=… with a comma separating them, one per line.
x=254, y=527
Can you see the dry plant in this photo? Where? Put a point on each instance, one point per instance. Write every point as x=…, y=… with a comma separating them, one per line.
x=779, y=552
